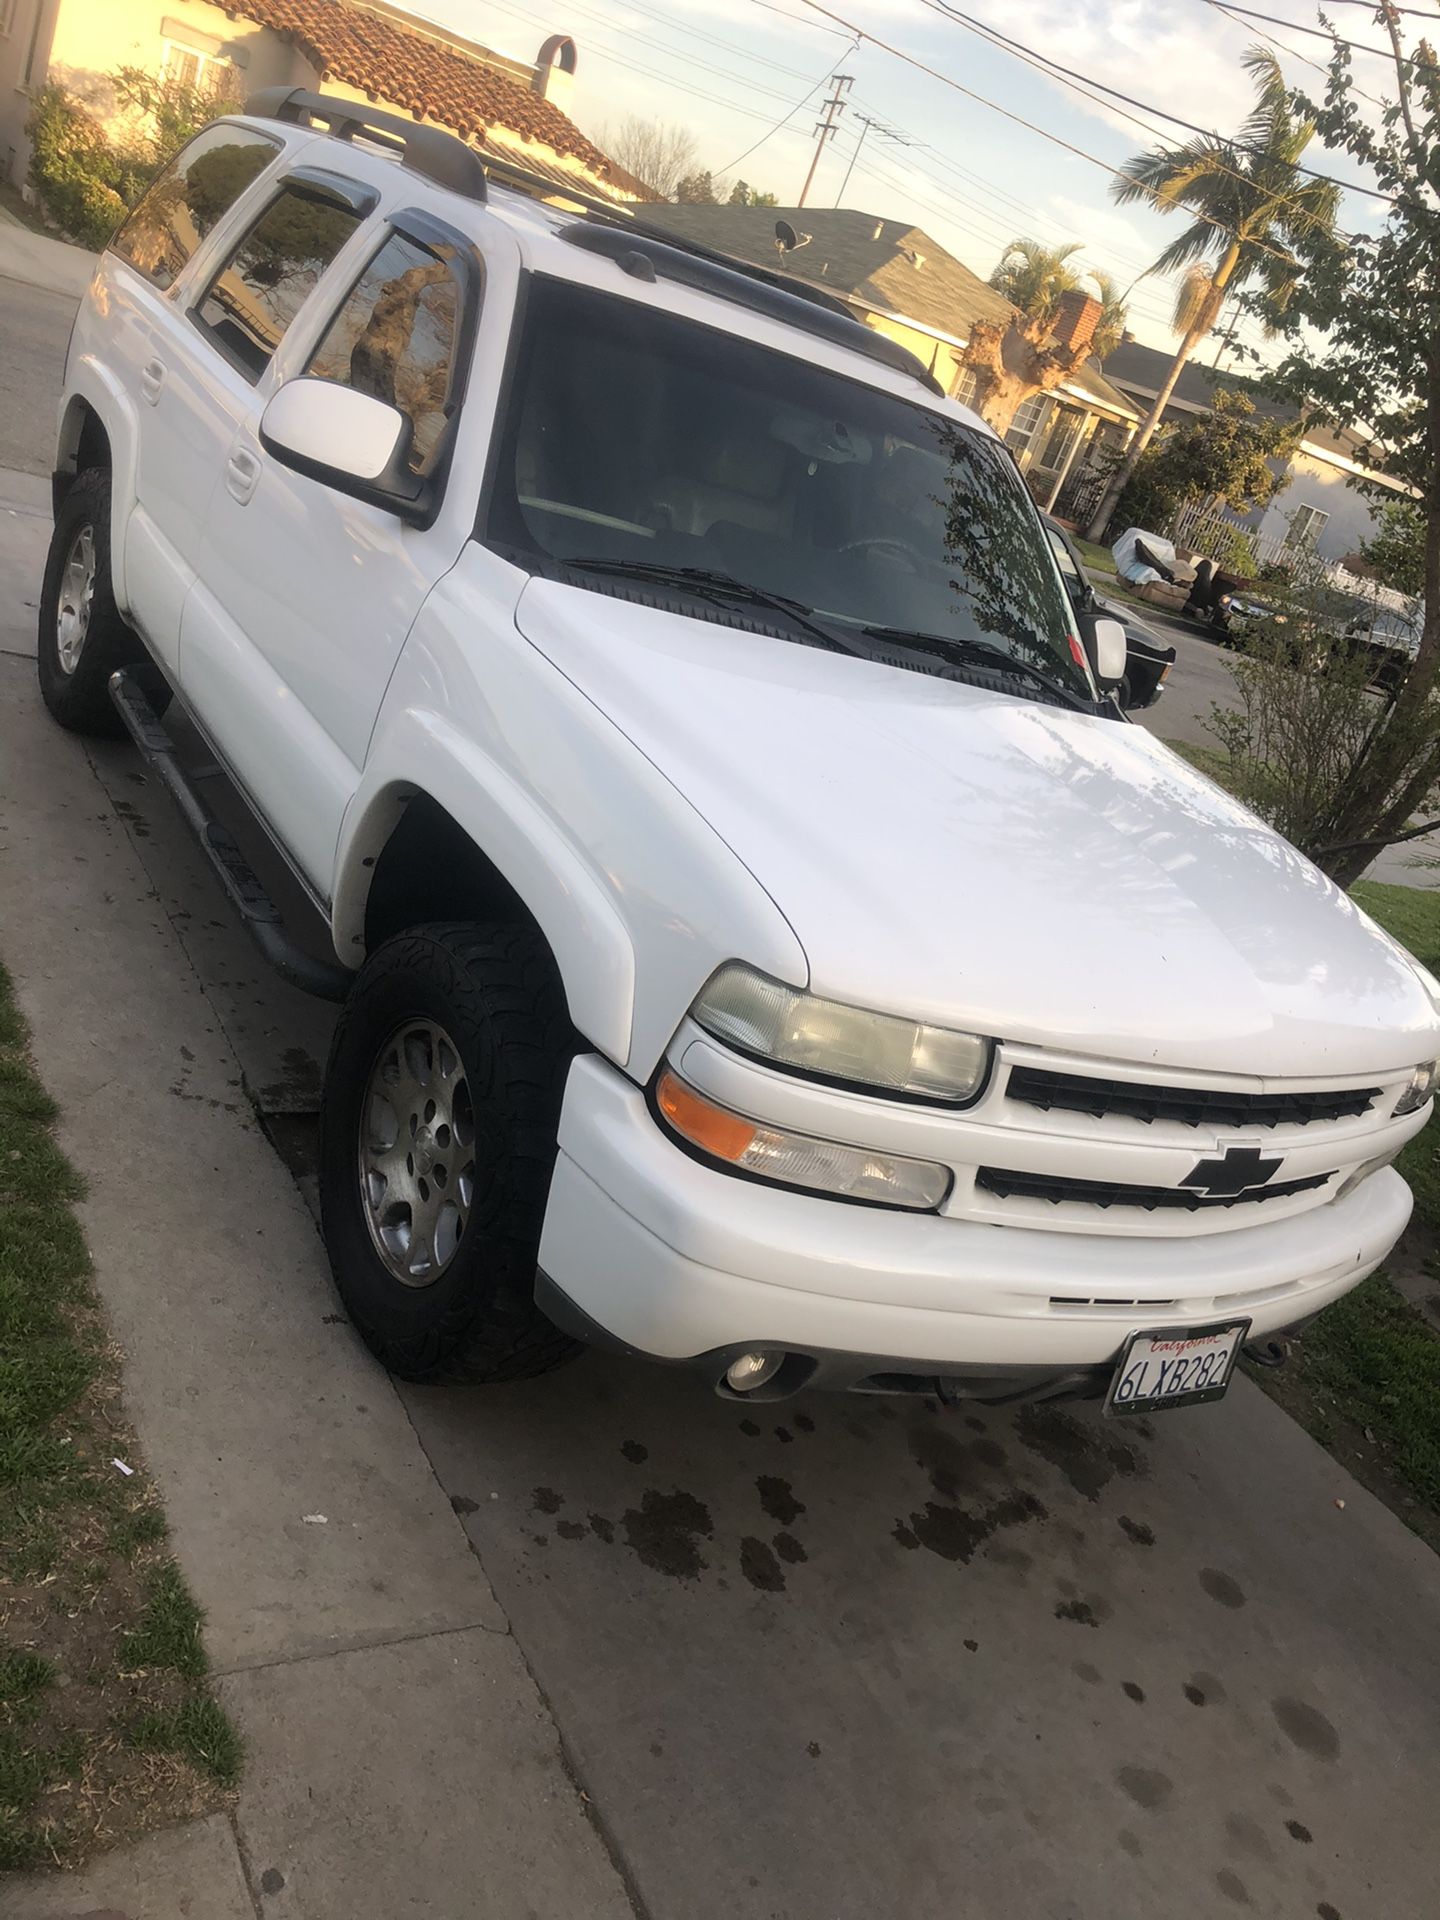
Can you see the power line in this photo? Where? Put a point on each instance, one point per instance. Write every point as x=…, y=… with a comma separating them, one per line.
x=1082, y=83
x=993, y=106
x=799, y=20
x=772, y=131
x=1335, y=39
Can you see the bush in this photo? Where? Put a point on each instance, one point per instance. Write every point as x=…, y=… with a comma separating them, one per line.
x=85, y=185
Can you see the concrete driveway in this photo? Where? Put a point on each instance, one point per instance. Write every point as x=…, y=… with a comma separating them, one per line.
x=828, y=1661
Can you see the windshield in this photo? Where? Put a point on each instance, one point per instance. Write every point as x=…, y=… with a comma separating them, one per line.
x=1065, y=560
x=635, y=437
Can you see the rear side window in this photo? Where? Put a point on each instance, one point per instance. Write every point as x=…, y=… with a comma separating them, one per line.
x=394, y=338
x=271, y=274
x=196, y=189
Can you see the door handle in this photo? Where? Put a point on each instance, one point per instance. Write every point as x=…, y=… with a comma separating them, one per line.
x=152, y=380
x=242, y=474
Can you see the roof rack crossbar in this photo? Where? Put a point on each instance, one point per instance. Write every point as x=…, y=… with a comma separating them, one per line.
x=807, y=308
x=429, y=151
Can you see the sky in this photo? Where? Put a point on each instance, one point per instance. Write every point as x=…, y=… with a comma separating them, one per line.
x=745, y=78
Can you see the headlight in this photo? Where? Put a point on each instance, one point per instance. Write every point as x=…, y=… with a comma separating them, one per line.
x=797, y=1159
x=1422, y=1085
x=845, y=1044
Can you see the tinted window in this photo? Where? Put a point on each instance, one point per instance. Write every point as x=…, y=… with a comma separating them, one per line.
x=394, y=338
x=200, y=184
x=271, y=274
x=638, y=437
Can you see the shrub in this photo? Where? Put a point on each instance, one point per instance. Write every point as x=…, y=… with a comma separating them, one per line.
x=84, y=185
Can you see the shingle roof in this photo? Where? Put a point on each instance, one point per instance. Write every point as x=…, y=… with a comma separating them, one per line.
x=883, y=263
x=425, y=75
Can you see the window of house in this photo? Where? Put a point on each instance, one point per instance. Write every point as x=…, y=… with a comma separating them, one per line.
x=189, y=197
x=1028, y=415
x=394, y=338
x=967, y=386
x=205, y=73
x=271, y=273
x=1060, y=441
x=1305, y=525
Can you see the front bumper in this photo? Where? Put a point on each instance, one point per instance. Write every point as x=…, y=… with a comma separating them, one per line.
x=673, y=1260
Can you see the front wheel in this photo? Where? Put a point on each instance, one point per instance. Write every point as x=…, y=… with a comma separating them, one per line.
x=438, y=1140
x=83, y=636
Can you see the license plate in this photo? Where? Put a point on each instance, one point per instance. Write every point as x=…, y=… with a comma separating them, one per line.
x=1175, y=1367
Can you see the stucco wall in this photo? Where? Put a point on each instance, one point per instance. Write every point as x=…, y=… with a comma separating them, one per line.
x=1314, y=483
x=14, y=98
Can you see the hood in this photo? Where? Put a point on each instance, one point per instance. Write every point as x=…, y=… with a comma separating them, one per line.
x=988, y=863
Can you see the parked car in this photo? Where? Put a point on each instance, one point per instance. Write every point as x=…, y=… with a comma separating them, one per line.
x=763, y=944
x=1148, y=659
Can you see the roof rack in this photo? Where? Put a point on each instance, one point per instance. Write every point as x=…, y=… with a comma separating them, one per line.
x=429, y=151
x=648, y=255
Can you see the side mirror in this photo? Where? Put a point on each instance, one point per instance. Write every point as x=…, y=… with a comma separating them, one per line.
x=1104, y=642
x=346, y=440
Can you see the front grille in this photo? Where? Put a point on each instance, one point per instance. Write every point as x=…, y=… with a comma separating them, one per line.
x=1105, y=1193
x=1190, y=1106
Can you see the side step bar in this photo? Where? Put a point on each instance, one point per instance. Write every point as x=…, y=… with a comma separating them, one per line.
x=327, y=980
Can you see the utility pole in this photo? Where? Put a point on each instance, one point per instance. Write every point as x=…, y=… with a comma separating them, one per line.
x=867, y=121
x=825, y=128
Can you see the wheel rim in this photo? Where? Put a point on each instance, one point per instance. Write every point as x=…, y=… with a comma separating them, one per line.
x=77, y=597
x=417, y=1152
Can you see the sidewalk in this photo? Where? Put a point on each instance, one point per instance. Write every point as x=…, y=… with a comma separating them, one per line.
x=401, y=1759
x=53, y=265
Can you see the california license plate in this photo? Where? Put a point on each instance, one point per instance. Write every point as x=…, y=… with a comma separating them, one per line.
x=1175, y=1367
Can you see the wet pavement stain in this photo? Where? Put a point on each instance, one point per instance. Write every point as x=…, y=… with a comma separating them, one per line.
x=1146, y=1787
x=1247, y=1837
x=602, y=1528
x=778, y=1500
x=804, y=1423
x=971, y=1646
x=462, y=1503
x=1306, y=1727
x=570, y=1529
x=1137, y=1531
x=1326, y=1912
x=1079, y=1611
x=272, y=1880
x=1129, y=1843
x=547, y=1500
x=784, y=1436
x=634, y=1452
x=1083, y=1670
x=1221, y=1588
x=664, y=1531
x=1132, y=1691
x=789, y=1549
x=760, y=1567
x=1087, y=1459
x=749, y=1426
x=1297, y=1830
x=1204, y=1690
x=1233, y=1887
x=813, y=1749
x=955, y=1534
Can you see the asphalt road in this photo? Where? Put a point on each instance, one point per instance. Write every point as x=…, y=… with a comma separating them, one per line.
x=846, y=1658
x=34, y=330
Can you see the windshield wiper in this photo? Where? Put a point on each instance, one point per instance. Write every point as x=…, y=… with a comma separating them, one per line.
x=959, y=649
x=723, y=589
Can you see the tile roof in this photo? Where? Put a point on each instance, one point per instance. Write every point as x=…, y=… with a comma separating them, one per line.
x=882, y=263
x=427, y=76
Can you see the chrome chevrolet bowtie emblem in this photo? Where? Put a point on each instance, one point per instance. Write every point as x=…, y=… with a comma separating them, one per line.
x=1233, y=1172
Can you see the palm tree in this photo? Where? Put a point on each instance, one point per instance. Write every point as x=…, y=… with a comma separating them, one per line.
x=1032, y=277
x=1110, y=327
x=1254, y=212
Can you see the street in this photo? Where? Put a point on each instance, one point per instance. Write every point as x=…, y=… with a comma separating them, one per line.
x=829, y=1660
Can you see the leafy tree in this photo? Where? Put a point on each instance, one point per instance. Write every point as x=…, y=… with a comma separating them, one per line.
x=1395, y=551
x=742, y=195
x=1110, y=327
x=1224, y=457
x=696, y=190
x=1255, y=212
x=1021, y=357
x=1375, y=297
x=167, y=113
x=658, y=154
x=84, y=183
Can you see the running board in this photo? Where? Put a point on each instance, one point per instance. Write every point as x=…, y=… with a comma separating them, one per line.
x=327, y=980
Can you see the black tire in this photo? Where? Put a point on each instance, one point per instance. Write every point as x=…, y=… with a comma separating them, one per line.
x=77, y=693
x=493, y=991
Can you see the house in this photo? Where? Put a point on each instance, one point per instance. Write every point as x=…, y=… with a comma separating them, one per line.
x=360, y=49
x=905, y=285
x=1319, y=505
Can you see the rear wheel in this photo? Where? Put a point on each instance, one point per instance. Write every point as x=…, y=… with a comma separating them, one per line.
x=83, y=637
x=438, y=1141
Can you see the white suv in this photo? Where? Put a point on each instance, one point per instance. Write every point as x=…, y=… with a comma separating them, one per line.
x=764, y=944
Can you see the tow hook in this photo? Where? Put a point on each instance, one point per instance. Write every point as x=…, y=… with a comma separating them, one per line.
x=1268, y=1353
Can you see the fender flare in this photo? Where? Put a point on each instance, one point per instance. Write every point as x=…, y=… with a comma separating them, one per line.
x=91, y=384
x=590, y=941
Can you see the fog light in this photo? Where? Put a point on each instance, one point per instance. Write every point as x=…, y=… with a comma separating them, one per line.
x=752, y=1370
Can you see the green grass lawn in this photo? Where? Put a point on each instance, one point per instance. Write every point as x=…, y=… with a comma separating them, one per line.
x=1100, y=558
x=107, y=1724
